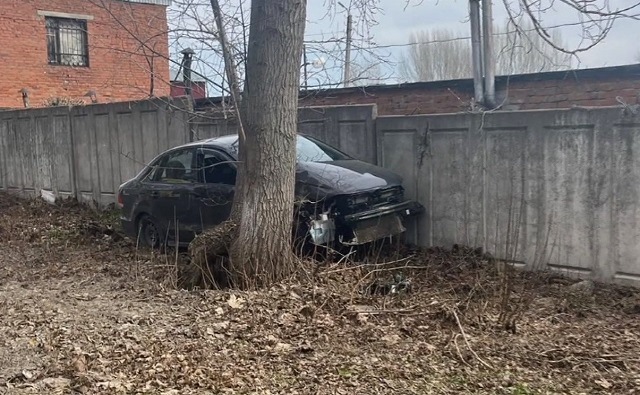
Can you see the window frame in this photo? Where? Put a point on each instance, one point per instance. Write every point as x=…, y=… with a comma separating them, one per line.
x=53, y=33
x=158, y=166
x=199, y=155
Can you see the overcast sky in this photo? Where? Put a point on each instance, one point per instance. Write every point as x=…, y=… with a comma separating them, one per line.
x=395, y=21
x=395, y=24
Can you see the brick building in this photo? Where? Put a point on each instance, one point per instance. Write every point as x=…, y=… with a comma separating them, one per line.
x=116, y=49
x=561, y=89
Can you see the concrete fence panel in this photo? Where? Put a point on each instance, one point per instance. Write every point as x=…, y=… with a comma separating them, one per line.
x=113, y=142
x=210, y=125
x=349, y=128
x=544, y=189
x=35, y=151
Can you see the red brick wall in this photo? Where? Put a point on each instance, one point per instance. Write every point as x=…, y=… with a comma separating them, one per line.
x=119, y=69
x=198, y=89
x=596, y=87
x=572, y=92
x=401, y=101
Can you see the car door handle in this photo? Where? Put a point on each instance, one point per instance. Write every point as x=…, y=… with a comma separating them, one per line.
x=155, y=194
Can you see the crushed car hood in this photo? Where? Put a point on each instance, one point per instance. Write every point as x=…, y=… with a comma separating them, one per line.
x=325, y=179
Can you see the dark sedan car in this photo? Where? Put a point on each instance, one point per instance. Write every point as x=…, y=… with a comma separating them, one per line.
x=190, y=188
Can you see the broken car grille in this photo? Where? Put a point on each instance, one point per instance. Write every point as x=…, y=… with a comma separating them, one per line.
x=368, y=200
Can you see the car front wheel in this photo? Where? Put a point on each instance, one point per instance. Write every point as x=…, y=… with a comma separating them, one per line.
x=148, y=232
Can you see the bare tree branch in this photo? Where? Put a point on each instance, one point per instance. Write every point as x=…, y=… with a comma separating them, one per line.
x=230, y=66
x=441, y=54
x=596, y=18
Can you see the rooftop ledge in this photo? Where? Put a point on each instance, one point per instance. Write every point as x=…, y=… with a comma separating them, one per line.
x=155, y=2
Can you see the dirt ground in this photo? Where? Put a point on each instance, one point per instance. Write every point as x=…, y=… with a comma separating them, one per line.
x=83, y=311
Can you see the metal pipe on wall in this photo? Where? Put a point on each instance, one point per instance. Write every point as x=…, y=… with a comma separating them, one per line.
x=476, y=49
x=488, y=54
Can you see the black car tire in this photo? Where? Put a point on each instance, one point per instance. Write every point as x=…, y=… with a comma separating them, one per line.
x=149, y=234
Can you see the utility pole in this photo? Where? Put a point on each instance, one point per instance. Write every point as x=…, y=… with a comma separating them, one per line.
x=476, y=50
x=347, y=57
x=489, y=56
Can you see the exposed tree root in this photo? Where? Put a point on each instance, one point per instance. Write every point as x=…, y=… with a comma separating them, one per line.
x=208, y=266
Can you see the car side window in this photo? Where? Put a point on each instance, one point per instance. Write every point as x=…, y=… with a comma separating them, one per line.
x=215, y=168
x=176, y=167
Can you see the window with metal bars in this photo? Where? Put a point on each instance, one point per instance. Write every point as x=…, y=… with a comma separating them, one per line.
x=67, y=42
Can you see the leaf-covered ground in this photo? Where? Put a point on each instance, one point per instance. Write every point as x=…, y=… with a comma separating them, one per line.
x=82, y=311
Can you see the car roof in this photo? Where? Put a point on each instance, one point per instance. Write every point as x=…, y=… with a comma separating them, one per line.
x=226, y=142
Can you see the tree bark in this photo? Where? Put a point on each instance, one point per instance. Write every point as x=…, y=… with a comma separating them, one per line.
x=263, y=206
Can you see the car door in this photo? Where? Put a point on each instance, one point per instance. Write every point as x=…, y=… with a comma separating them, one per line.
x=170, y=194
x=214, y=194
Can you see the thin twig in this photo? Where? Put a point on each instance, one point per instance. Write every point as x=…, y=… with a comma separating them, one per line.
x=366, y=265
x=455, y=343
x=464, y=336
x=381, y=311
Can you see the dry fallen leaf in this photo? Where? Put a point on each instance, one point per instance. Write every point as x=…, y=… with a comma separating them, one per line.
x=56, y=382
x=235, y=302
x=391, y=339
x=80, y=364
x=217, y=327
x=282, y=347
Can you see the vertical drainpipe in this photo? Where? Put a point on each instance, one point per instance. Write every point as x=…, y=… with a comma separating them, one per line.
x=476, y=49
x=488, y=54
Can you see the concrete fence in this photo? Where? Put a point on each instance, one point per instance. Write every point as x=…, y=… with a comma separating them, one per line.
x=86, y=151
x=545, y=189
x=556, y=189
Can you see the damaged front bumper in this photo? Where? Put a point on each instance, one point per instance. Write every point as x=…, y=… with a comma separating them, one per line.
x=365, y=226
x=405, y=209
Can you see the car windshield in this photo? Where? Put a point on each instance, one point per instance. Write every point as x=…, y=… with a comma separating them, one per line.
x=310, y=150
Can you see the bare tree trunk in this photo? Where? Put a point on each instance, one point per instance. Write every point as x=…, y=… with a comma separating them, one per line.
x=263, y=204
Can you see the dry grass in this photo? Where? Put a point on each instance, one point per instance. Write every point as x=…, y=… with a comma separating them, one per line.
x=82, y=310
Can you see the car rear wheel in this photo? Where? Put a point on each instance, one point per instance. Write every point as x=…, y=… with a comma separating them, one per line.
x=148, y=232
